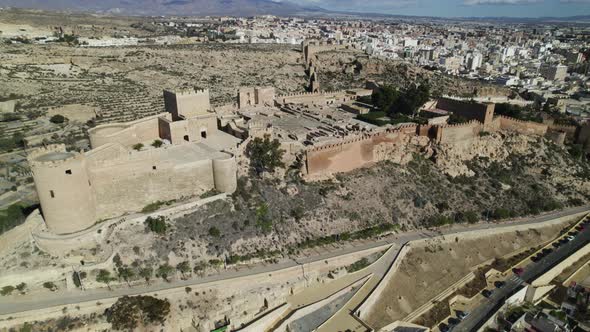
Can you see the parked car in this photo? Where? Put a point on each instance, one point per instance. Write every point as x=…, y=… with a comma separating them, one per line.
x=564, y=240
x=547, y=251
x=442, y=327
x=499, y=284
x=486, y=293
x=573, y=233
x=518, y=270
x=570, y=238
x=556, y=244
x=453, y=321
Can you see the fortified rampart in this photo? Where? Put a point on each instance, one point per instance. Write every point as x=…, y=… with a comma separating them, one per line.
x=522, y=127
x=127, y=134
x=483, y=113
x=78, y=189
x=317, y=98
x=64, y=188
x=458, y=132
x=352, y=153
x=349, y=154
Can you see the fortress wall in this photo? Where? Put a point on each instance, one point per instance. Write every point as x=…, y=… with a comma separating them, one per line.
x=570, y=131
x=109, y=151
x=127, y=134
x=522, y=127
x=460, y=132
x=225, y=174
x=130, y=186
x=348, y=155
x=483, y=113
x=64, y=189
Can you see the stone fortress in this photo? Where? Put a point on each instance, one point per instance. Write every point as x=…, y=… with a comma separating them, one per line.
x=117, y=176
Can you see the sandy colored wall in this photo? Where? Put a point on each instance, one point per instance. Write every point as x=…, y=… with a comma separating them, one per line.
x=349, y=155
x=483, y=113
x=459, y=133
x=522, y=127
x=126, y=134
x=64, y=190
x=570, y=131
x=131, y=186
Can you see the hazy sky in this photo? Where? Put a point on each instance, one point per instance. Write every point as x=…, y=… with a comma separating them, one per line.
x=450, y=8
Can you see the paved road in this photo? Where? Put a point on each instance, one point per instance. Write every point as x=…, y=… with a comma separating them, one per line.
x=18, y=304
x=515, y=283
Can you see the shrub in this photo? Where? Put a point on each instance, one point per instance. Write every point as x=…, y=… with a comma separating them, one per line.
x=157, y=143
x=138, y=146
x=156, y=224
x=58, y=119
x=214, y=232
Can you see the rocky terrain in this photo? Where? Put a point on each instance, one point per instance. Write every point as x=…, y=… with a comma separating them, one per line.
x=498, y=176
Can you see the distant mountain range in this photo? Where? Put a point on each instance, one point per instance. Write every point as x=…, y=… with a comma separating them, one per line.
x=169, y=7
x=236, y=8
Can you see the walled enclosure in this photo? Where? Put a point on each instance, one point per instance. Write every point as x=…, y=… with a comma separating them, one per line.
x=348, y=154
x=78, y=189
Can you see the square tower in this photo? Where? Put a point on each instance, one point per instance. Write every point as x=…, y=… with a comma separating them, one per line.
x=187, y=103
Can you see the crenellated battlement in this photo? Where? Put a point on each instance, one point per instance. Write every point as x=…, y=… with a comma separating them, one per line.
x=191, y=92
x=470, y=123
x=565, y=128
x=304, y=94
x=359, y=138
x=521, y=121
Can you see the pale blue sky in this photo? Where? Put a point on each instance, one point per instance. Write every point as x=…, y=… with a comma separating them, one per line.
x=453, y=8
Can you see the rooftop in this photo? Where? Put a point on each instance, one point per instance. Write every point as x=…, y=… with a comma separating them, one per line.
x=55, y=156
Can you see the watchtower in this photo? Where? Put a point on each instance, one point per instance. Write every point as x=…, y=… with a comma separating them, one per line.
x=64, y=188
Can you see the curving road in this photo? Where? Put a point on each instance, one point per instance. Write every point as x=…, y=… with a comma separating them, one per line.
x=18, y=304
x=482, y=313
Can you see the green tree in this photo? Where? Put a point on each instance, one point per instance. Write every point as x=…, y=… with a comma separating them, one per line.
x=157, y=143
x=411, y=100
x=138, y=146
x=128, y=313
x=184, y=268
x=157, y=224
x=164, y=271
x=104, y=276
x=265, y=154
x=214, y=232
x=146, y=273
x=50, y=285
x=125, y=273
x=384, y=98
x=7, y=290
x=21, y=287
x=58, y=119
